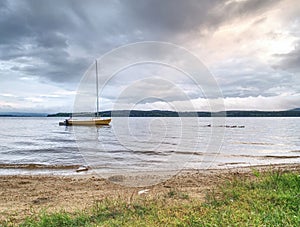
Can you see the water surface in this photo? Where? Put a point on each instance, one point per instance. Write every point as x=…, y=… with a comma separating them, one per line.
x=143, y=144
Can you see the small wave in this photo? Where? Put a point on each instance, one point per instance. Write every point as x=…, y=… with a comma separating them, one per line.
x=189, y=152
x=232, y=163
x=256, y=143
x=57, y=140
x=60, y=132
x=26, y=143
x=36, y=152
x=149, y=152
x=146, y=152
x=169, y=143
x=280, y=157
x=37, y=166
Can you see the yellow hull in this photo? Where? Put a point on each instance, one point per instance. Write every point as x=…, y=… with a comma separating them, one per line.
x=89, y=122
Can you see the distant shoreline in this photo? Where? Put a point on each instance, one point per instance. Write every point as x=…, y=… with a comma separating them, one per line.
x=162, y=113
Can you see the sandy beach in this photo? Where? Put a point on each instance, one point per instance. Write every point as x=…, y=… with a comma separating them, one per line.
x=22, y=196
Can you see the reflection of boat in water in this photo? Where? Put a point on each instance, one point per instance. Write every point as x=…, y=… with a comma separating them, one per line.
x=89, y=122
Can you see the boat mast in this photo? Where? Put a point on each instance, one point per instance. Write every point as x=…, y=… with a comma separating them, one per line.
x=97, y=90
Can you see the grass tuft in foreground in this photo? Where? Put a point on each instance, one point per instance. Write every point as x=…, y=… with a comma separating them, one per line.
x=268, y=199
x=272, y=199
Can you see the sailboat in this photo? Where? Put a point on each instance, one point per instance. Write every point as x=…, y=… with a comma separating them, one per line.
x=91, y=122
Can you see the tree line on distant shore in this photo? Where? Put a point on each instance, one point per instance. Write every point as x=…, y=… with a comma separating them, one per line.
x=162, y=113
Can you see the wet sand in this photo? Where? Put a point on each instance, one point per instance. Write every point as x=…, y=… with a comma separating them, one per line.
x=24, y=195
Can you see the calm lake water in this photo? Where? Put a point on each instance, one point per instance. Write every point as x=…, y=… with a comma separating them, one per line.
x=147, y=144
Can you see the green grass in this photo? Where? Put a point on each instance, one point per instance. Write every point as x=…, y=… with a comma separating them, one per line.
x=268, y=199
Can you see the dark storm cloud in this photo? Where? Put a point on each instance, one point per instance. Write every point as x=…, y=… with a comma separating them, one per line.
x=246, y=77
x=39, y=30
x=170, y=18
x=48, y=31
x=174, y=15
x=290, y=61
x=12, y=26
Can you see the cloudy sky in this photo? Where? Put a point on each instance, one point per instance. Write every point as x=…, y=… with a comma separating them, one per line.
x=251, y=47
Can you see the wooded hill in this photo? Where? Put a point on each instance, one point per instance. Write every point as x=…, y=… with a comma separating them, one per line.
x=163, y=113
